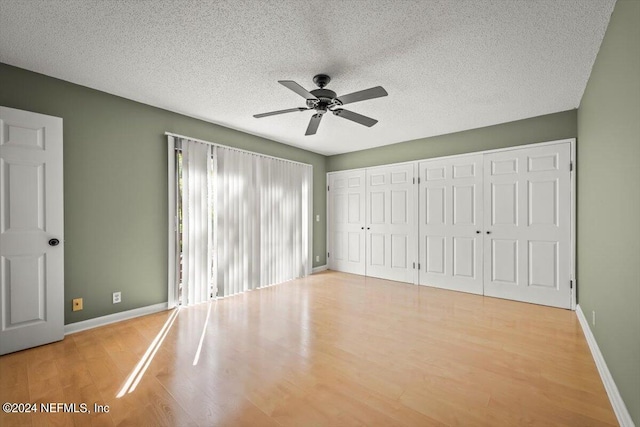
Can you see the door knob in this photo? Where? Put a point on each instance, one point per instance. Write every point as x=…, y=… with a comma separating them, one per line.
x=368, y=228
x=477, y=231
x=361, y=228
x=488, y=232
x=54, y=242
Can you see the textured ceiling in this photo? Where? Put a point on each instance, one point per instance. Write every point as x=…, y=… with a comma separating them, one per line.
x=447, y=65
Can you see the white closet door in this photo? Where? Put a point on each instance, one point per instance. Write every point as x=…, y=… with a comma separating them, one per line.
x=450, y=223
x=527, y=225
x=346, y=219
x=391, y=223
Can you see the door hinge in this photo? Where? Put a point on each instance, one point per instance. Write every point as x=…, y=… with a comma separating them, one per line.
x=327, y=188
x=414, y=265
x=418, y=180
x=327, y=254
x=418, y=266
x=414, y=180
x=570, y=166
x=571, y=283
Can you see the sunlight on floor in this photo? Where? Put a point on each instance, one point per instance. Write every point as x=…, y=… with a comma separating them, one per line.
x=138, y=372
x=204, y=330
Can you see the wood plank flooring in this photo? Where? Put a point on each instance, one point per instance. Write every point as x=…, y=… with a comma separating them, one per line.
x=332, y=349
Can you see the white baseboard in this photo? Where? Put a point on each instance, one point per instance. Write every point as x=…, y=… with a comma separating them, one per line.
x=315, y=270
x=619, y=408
x=113, y=318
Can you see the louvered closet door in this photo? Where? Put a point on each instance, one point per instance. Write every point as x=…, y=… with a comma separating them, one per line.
x=346, y=219
x=527, y=225
x=391, y=223
x=450, y=223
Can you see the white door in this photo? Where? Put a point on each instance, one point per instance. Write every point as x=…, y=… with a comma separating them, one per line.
x=528, y=225
x=450, y=225
x=391, y=223
x=346, y=221
x=31, y=230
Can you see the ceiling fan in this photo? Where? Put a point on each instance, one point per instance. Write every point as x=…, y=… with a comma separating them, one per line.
x=323, y=100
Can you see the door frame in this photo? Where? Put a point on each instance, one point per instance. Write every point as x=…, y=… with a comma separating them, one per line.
x=572, y=174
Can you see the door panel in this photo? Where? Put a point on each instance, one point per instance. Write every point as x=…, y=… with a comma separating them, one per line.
x=543, y=202
x=504, y=267
x=377, y=249
x=354, y=248
x=346, y=218
x=504, y=203
x=464, y=257
x=435, y=254
x=464, y=207
x=376, y=208
x=391, y=249
x=399, y=203
x=31, y=213
x=543, y=264
x=527, y=250
x=450, y=219
x=354, y=210
x=399, y=251
x=435, y=202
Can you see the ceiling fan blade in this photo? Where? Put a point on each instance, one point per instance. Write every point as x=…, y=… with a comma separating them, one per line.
x=290, y=84
x=374, y=92
x=313, y=124
x=273, y=113
x=355, y=117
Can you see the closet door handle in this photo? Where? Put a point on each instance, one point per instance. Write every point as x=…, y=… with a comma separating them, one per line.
x=488, y=232
x=361, y=228
x=477, y=231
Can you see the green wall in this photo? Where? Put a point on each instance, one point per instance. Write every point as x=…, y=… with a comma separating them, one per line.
x=116, y=191
x=609, y=201
x=115, y=187
x=550, y=127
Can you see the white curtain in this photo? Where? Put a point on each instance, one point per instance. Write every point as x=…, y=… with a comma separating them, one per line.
x=245, y=221
x=262, y=208
x=197, y=224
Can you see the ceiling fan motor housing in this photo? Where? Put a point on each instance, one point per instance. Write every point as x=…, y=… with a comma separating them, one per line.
x=326, y=99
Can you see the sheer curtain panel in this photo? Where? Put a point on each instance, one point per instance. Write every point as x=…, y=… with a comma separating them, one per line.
x=262, y=207
x=197, y=222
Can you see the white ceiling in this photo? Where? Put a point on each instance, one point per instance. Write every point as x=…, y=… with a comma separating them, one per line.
x=448, y=65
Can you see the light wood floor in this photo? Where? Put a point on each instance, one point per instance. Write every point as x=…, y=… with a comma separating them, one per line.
x=330, y=350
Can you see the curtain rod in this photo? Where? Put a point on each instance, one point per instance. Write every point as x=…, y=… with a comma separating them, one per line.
x=175, y=135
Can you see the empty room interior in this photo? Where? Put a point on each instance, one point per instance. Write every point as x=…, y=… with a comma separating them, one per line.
x=338, y=213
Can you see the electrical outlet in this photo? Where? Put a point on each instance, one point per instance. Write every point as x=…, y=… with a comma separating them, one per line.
x=117, y=297
x=317, y=258
x=317, y=218
x=77, y=304
x=593, y=318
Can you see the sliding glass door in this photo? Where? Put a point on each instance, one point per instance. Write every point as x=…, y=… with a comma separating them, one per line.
x=242, y=221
